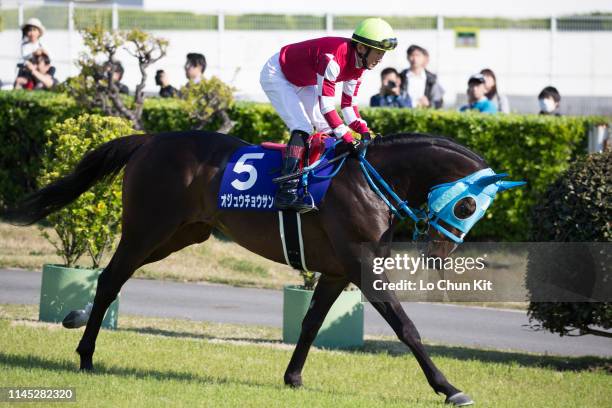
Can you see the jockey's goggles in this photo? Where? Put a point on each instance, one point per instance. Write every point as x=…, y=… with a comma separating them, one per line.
x=388, y=44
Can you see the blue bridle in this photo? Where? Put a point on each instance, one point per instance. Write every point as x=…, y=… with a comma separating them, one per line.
x=481, y=186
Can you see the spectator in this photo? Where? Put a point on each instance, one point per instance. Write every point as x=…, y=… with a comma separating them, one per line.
x=118, y=72
x=477, y=99
x=500, y=101
x=39, y=73
x=389, y=94
x=420, y=85
x=549, y=99
x=31, y=32
x=165, y=89
x=195, y=67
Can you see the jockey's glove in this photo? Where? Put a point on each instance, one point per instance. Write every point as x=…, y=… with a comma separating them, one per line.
x=357, y=147
x=348, y=137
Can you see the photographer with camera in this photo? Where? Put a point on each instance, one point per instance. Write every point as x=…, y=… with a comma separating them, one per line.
x=38, y=74
x=390, y=95
x=165, y=89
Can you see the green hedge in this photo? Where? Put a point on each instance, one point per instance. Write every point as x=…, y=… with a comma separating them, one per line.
x=255, y=122
x=577, y=207
x=24, y=118
x=529, y=147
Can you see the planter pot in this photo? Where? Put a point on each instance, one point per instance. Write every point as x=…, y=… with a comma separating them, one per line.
x=343, y=325
x=66, y=289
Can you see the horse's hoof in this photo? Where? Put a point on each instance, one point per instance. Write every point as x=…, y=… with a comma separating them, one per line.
x=459, y=400
x=86, y=363
x=75, y=319
x=293, y=381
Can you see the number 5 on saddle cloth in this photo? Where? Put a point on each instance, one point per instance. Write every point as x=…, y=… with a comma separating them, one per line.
x=248, y=180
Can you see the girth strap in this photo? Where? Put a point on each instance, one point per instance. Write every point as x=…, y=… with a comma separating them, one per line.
x=290, y=228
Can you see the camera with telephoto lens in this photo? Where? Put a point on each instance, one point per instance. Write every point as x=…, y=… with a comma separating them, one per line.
x=158, y=76
x=389, y=88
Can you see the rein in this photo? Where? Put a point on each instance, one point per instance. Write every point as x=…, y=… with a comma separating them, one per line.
x=480, y=187
x=417, y=215
x=398, y=207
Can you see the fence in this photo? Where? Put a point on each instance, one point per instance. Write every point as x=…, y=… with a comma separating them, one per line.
x=72, y=16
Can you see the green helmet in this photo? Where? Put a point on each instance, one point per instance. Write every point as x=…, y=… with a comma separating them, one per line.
x=375, y=33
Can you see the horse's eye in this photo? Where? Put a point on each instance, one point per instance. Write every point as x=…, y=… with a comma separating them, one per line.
x=464, y=208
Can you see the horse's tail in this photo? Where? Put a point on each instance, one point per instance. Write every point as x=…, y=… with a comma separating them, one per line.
x=105, y=161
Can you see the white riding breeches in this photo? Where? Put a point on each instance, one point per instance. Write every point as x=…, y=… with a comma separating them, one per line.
x=297, y=106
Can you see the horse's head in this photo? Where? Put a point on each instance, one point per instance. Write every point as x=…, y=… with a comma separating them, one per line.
x=454, y=208
x=455, y=185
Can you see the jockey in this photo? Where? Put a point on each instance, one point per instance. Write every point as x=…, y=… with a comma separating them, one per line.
x=300, y=82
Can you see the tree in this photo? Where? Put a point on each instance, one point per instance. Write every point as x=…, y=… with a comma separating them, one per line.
x=577, y=209
x=90, y=224
x=208, y=102
x=95, y=86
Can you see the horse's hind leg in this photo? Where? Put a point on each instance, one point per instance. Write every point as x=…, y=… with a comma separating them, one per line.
x=130, y=254
x=126, y=260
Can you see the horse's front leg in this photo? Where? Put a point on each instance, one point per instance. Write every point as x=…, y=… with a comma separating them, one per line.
x=387, y=304
x=325, y=294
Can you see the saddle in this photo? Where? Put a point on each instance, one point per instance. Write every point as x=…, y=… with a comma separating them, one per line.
x=315, y=147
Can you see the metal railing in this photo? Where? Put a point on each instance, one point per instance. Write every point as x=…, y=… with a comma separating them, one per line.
x=63, y=16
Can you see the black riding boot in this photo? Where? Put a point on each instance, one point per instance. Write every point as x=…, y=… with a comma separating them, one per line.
x=287, y=197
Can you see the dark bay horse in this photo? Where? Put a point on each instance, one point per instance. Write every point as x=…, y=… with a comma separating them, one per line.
x=170, y=188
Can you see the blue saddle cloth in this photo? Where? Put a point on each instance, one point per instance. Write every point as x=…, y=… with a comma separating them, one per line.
x=247, y=179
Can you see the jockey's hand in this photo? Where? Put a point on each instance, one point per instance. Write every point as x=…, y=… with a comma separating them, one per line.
x=351, y=145
x=366, y=137
x=348, y=138
x=357, y=147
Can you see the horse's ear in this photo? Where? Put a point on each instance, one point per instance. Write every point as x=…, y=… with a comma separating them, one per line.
x=486, y=180
x=505, y=185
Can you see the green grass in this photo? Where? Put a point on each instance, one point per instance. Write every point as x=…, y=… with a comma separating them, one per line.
x=160, y=362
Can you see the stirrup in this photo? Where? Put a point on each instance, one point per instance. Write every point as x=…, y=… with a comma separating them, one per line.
x=295, y=202
x=312, y=206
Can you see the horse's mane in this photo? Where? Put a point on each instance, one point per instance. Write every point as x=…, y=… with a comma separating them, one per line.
x=426, y=139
